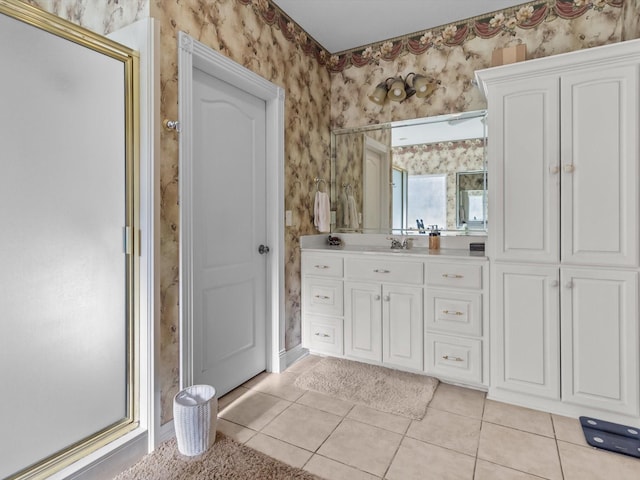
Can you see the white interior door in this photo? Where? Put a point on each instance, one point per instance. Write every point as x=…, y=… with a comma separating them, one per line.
x=376, y=210
x=228, y=225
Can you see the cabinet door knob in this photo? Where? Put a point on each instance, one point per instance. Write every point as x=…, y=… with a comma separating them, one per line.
x=381, y=270
x=554, y=169
x=554, y=283
x=387, y=298
x=569, y=284
x=376, y=297
x=568, y=167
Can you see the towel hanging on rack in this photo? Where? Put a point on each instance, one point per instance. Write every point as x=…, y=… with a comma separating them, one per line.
x=353, y=212
x=322, y=212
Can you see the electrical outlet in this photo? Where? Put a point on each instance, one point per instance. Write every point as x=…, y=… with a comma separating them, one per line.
x=288, y=218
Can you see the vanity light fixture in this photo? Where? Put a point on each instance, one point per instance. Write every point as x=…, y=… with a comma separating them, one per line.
x=398, y=89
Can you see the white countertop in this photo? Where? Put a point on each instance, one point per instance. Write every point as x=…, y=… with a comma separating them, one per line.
x=377, y=244
x=412, y=252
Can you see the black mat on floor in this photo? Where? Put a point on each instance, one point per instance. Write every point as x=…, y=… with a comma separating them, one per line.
x=611, y=436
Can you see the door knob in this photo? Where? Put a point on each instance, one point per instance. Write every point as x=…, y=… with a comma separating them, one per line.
x=262, y=249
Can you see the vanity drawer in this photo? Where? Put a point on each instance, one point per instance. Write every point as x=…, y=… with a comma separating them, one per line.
x=384, y=270
x=454, y=358
x=324, y=335
x=324, y=296
x=322, y=265
x=460, y=275
x=453, y=311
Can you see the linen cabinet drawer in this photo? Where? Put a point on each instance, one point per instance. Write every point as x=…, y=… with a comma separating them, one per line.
x=454, y=358
x=384, y=270
x=323, y=296
x=324, y=335
x=454, y=311
x=322, y=265
x=456, y=275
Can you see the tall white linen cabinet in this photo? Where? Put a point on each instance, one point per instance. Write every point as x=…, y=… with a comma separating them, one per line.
x=563, y=231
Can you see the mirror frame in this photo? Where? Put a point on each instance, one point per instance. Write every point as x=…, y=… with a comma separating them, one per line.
x=381, y=127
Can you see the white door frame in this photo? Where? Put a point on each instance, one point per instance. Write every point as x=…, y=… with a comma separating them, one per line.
x=382, y=202
x=193, y=54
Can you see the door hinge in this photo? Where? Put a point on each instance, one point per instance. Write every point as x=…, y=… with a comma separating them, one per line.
x=127, y=243
x=129, y=240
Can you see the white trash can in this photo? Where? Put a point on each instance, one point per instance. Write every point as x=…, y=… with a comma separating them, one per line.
x=195, y=416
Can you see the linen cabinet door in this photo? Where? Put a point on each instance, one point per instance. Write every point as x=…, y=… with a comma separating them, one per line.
x=600, y=339
x=523, y=167
x=363, y=321
x=402, y=326
x=525, y=330
x=600, y=166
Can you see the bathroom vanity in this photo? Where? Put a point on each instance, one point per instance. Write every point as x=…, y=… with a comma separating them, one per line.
x=415, y=309
x=549, y=319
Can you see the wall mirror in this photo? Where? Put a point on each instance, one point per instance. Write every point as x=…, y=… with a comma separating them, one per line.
x=401, y=176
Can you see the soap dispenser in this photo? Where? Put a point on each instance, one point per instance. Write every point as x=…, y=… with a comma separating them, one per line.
x=434, y=238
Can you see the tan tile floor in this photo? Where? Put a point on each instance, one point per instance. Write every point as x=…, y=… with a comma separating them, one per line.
x=462, y=436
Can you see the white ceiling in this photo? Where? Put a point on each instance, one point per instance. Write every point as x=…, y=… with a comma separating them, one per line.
x=340, y=25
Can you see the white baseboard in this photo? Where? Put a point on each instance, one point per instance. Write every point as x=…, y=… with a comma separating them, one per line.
x=295, y=354
x=167, y=432
x=111, y=464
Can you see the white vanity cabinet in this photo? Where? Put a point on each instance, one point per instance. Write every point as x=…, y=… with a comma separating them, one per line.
x=322, y=297
x=564, y=206
x=383, y=311
x=454, y=320
x=409, y=310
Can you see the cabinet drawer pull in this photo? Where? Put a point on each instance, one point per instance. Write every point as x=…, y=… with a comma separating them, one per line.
x=452, y=275
x=321, y=267
x=454, y=359
x=322, y=297
x=452, y=312
x=323, y=335
x=381, y=270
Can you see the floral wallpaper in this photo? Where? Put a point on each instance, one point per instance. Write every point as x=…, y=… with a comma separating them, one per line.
x=452, y=53
x=445, y=158
x=256, y=35
x=324, y=91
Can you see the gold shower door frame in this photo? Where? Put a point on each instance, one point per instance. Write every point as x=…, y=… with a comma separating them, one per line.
x=52, y=24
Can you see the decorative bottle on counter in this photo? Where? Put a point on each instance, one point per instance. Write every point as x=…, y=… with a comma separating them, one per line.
x=434, y=238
